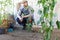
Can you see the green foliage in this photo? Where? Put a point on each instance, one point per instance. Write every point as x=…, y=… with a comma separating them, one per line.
x=4, y=4
x=3, y=13
x=48, y=7
x=29, y=26
x=58, y=24
x=0, y=19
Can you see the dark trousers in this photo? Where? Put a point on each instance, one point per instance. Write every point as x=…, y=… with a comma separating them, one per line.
x=23, y=23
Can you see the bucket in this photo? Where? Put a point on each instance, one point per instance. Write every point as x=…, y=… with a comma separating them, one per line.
x=10, y=30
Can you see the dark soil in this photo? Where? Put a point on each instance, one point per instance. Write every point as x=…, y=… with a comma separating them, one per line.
x=24, y=35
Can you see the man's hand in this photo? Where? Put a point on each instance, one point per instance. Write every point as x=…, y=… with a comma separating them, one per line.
x=21, y=19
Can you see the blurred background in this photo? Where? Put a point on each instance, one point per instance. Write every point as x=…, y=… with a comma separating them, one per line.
x=8, y=7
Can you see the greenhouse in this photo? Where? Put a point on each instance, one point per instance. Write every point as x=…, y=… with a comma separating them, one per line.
x=29, y=19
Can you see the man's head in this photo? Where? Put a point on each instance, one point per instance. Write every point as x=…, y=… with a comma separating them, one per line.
x=25, y=3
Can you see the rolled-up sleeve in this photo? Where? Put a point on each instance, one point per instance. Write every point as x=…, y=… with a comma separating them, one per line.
x=18, y=14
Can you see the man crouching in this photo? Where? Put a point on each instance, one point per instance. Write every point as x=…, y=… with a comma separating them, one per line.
x=24, y=13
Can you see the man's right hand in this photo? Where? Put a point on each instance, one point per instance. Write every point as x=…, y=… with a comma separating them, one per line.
x=21, y=20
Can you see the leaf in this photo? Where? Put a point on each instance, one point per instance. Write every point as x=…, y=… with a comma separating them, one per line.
x=39, y=12
x=46, y=15
x=51, y=15
x=39, y=1
x=43, y=1
x=40, y=20
x=58, y=24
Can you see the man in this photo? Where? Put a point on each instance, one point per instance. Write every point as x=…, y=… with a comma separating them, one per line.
x=24, y=13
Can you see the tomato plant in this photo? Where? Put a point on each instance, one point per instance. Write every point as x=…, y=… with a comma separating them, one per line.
x=47, y=18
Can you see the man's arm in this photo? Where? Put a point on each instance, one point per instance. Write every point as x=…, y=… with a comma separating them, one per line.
x=18, y=14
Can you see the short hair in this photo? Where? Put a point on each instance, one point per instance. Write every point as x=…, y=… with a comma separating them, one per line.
x=25, y=1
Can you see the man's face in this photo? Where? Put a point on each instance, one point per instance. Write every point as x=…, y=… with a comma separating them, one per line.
x=25, y=4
